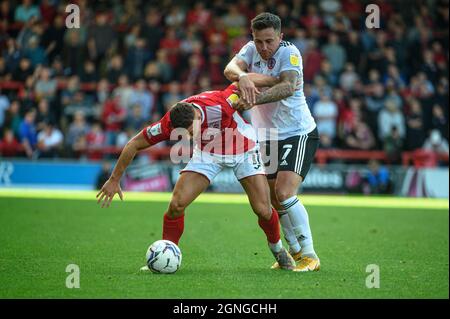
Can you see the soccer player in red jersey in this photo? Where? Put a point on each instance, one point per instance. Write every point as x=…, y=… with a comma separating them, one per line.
x=222, y=138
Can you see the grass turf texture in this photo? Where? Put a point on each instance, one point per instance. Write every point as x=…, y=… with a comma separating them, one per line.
x=224, y=250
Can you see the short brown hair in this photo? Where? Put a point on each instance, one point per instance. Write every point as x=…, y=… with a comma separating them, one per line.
x=182, y=115
x=266, y=20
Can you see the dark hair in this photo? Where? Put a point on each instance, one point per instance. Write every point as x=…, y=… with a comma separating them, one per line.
x=182, y=115
x=266, y=20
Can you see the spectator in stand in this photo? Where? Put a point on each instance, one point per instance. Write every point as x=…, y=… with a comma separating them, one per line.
x=300, y=41
x=152, y=31
x=76, y=134
x=74, y=52
x=9, y=146
x=393, y=145
x=234, y=20
x=313, y=60
x=415, y=129
x=377, y=180
x=23, y=71
x=101, y=37
x=89, y=73
x=132, y=36
x=348, y=78
x=134, y=119
x=335, y=53
x=189, y=40
x=114, y=69
x=172, y=96
x=113, y=116
x=43, y=115
x=360, y=137
x=47, y=9
x=6, y=14
x=326, y=72
x=144, y=98
x=102, y=94
x=50, y=139
x=175, y=17
x=35, y=52
x=68, y=93
x=4, y=106
x=125, y=136
x=136, y=59
x=5, y=74
x=325, y=113
x=312, y=20
x=199, y=16
x=171, y=43
x=13, y=117
x=45, y=87
x=394, y=75
x=436, y=143
x=28, y=134
x=439, y=121
x=12, y=56
x=375, y=101
x=388, y=118
x=123, y=91
x=164, y=67
x=96, y=138
x=26, y=11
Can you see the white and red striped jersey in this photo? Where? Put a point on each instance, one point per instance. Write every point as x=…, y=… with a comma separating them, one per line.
x=223, y=130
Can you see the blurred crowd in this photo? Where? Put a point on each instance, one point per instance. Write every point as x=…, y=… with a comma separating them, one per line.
x=63, y=90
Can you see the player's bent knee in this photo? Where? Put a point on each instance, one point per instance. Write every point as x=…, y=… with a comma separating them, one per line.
x=284, y=193
x=263, y=211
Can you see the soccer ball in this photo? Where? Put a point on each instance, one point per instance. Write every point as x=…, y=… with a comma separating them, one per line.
x=163, y=256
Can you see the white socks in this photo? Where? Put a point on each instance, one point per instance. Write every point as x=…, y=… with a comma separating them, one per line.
x=299, y=224
x=289, y=235
x=275, y=248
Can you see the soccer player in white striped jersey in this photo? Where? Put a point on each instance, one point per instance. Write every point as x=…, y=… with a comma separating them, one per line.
x=282, y=106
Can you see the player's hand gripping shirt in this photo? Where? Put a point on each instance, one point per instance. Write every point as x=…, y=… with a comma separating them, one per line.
x=223, y=130
x=291, y=116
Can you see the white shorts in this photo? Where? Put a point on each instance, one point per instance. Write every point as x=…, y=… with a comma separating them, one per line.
x=209, y=165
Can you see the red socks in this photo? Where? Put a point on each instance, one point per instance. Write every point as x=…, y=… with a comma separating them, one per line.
x=271, y=227
x=173, y=228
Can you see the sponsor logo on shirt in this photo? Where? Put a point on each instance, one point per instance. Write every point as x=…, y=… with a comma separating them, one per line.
x=294, y=59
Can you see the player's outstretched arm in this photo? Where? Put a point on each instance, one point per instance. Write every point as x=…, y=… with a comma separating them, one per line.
x=112, y=185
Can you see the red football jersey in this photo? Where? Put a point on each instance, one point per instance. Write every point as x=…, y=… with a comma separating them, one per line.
x=223, y=130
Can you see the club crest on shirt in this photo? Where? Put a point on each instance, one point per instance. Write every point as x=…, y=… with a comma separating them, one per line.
x=271, y=63
x=154, y=130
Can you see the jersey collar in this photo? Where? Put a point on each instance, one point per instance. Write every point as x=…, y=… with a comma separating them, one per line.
x=201, y=111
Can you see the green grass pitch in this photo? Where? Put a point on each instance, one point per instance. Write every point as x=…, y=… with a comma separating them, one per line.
x=224, y=251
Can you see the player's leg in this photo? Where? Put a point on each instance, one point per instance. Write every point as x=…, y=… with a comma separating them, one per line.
x=288, y=181
x=257, y=191
x=251, y=176
x=187, y=189
x=271, y=155
x=285, y=222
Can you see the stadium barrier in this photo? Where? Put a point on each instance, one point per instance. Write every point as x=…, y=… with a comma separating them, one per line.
x=161, y=176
